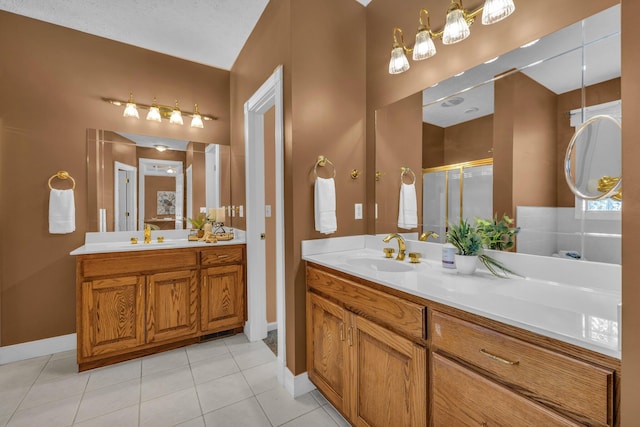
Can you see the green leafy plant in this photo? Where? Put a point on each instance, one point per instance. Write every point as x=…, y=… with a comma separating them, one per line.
x=497, y=233
x=465, y=238
x=469, y=241
x=198, y=222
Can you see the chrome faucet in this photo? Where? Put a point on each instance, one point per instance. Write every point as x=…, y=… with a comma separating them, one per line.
x=424, y=236
x=402, y=246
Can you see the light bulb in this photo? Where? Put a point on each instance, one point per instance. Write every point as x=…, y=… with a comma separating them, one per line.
x=196, y=120
x=154, y=112
x=496, y=10
x=456, y=28
x=131, y=110
x=176, y=116
x=399, y=62
x=424, y=47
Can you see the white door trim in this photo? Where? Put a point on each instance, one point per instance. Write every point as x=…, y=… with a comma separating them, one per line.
x=270, y=94
x=131, y=222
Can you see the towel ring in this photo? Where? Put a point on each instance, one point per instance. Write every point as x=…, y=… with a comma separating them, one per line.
x=62, y=175
x=407, y=171
x=322, y=161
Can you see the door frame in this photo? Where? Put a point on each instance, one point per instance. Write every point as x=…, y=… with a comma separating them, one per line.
x=269, y=95
x=131, y=222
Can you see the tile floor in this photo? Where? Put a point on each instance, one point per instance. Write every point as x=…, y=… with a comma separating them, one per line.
x=227, y=382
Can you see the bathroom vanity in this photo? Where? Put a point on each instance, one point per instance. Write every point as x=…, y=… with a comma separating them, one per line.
x=390, y=343
x=134, y=300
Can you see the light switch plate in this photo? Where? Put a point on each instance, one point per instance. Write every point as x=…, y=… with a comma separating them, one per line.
x=241, y=211
x=358, y=211
x=267, y=211
x=203, y=210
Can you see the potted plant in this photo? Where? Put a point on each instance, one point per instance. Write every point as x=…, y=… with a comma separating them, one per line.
x=469, y=243
x=198, y=223
x=497, y=234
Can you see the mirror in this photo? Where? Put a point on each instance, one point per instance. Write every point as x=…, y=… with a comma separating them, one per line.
x=135, y=180
x=509, y=121
x=593, y=167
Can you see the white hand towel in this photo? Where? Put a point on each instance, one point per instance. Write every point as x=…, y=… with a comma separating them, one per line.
x=408, y=210
x=325, y=205
x=62, y=212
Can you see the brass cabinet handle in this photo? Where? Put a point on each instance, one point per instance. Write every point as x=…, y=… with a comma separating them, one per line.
x=498, y=358
x=350, y=337
x=342, y=331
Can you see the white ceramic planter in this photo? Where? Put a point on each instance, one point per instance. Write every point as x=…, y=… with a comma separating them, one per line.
x=466, y=264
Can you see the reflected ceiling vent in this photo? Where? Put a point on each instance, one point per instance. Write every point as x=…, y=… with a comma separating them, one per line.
x=471, y=110
x=452, y=102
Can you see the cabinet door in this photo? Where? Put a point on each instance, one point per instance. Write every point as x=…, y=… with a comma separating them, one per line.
x=222, y=298
x=388, y=376
x=112, y=315
x=463, y=397
x=172, y=305
x=327, y=350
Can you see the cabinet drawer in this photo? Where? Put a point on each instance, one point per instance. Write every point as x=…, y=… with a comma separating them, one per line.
x=568, y=384
x=221, y=255
x=127, y=263
x=463, y=397
x=397, y=313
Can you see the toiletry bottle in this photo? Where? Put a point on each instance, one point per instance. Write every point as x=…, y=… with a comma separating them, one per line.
x=448, y=256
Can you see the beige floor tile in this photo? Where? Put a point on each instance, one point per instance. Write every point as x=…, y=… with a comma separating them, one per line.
x=254, y=357
x=280, y=407
x=64, y=354
x=166, y=382
x=206, y=350
x=244, y=413
x=10, y=398
x=195, y=422
x=41, y=393
x=59, y=413
x=108, y=399
x=22, y=373
x=222, y=392
x=319, y=397
x=216, y=367
x=164, y=361
x=59, y=368
x=262, y=377
x=170, y=409
x=336, y=416
x=4, y=419
x=125, y=417
x=316, y=418
x=114, y=374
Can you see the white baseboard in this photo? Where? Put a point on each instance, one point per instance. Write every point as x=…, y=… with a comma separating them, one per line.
x=31, y=349
x=295, y=385
x=272, y=326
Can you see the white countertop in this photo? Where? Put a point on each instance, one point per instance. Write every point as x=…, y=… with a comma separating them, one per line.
x=120, y=241
x=583, y=310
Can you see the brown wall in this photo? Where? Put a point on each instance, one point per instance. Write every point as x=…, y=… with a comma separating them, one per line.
x=630, y=213
x=51, y=81
x=399, y=144
x=324, y=109
x=432, y=145
x=524, y=168
x=472, y=140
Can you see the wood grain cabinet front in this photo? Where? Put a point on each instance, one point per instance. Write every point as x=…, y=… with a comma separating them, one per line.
x=132, y=304
x=373, y=375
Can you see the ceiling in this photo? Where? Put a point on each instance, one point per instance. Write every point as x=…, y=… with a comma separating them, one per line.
x=555, y=61
x=210, y=32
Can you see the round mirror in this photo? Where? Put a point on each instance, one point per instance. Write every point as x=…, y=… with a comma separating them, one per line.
x=593, y=164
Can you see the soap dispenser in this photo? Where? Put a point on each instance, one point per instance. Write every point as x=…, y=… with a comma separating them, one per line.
x=448, y=256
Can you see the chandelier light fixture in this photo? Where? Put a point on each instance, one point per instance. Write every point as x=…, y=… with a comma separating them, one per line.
x=157, y=112
x=456, y=29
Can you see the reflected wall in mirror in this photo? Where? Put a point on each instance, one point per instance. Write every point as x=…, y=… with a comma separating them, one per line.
x=519, y=110
x=136, y=180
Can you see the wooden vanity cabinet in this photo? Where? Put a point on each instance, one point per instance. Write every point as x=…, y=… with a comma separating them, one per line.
x=132, y=304
x=372, y=374
x=223, y=297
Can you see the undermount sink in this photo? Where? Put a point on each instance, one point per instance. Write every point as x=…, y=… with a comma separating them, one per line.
x=381, y=264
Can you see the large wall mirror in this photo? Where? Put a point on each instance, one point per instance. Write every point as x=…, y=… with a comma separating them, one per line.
x=493, y=141
x=135, y=180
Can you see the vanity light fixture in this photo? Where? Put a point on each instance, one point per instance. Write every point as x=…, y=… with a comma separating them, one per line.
x=131, y=110
x=491, y=60
x=196, y=119
x=531, y=43
x=455, y=30
x=176, y=115
x=157, y=112
x=160, y=147
x=154, y=112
